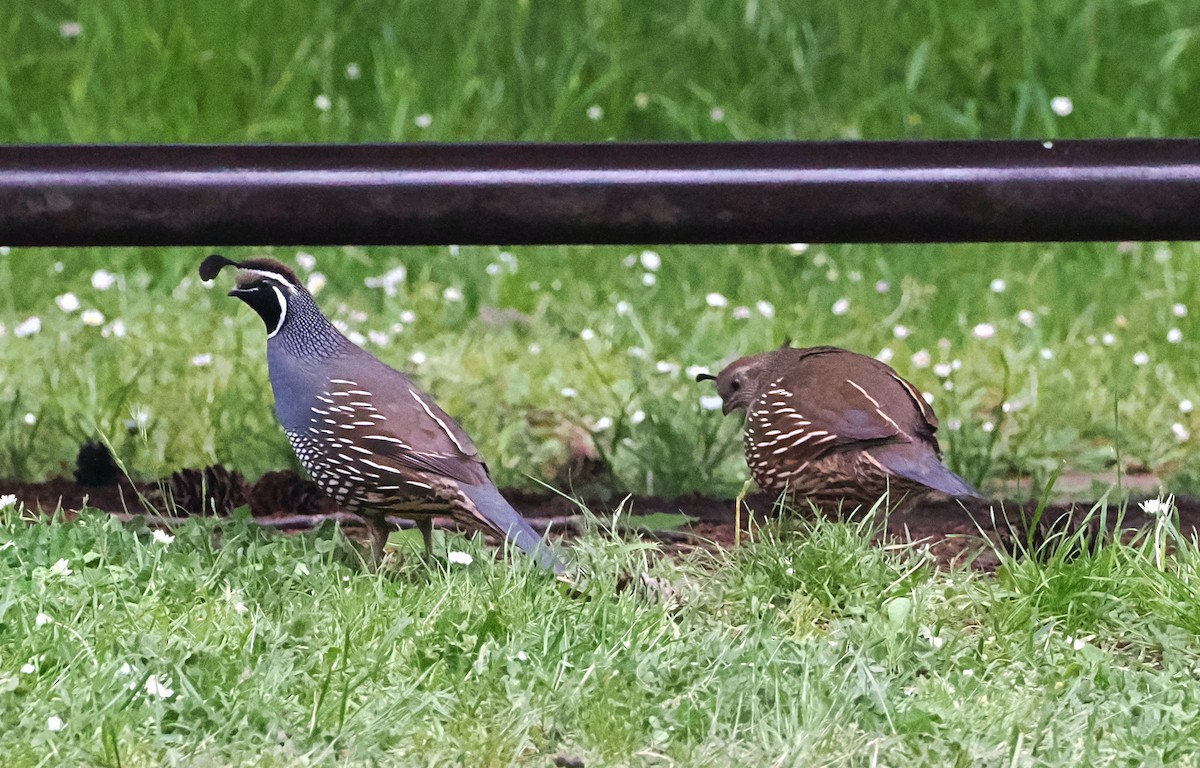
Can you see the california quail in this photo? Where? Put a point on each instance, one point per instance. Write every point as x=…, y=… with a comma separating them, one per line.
x=835, y=427
x=369, y=437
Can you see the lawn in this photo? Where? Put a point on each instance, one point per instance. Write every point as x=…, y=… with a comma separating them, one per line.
x=1042, y=358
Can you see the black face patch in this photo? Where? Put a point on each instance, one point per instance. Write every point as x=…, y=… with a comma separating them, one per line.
x=268, y=300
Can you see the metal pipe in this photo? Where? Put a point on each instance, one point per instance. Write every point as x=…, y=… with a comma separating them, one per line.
x=409, y=194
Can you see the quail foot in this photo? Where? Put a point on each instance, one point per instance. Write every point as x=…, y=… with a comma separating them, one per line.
x=370, y=438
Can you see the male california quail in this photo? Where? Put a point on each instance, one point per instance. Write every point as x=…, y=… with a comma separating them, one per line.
x=835, y=427
x=369, y=437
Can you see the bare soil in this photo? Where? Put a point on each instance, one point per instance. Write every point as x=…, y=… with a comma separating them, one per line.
x=954, y=531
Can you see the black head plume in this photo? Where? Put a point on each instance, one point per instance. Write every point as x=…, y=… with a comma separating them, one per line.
x=705, y=377
x=212, y=266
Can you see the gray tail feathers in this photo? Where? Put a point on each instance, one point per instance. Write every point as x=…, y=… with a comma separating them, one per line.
x=925, y=468
x=499, y=514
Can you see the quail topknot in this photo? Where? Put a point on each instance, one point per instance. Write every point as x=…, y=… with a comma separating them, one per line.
x=370, y=438
x=836, y=428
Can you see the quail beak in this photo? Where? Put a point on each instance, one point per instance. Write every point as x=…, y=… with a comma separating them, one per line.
x=727, y=407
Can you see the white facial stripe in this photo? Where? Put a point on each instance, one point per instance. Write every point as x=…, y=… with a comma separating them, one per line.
x=282, y=310
x=274, y=277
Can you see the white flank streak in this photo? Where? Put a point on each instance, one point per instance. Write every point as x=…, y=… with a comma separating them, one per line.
x=359, y=449
x=383, y=467
x=386, y=439
x=440, y=423
x=874, y=402
x=793, y=433
x=343, y=381
x=324, y=399
x=426, y=486
x=889, y=419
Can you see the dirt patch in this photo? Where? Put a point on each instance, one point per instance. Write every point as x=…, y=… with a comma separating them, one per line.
x=955, y=531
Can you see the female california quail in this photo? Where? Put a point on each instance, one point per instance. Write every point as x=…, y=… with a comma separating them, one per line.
x=369, y=437
x=835, y=427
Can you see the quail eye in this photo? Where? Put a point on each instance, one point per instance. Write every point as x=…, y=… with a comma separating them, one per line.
x=735, y=385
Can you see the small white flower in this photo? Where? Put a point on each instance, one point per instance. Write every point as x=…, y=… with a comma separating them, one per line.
x=921, y=359
x=156, y=687
x=741, y=313
x=28, y=327
x=942, y=370
x=1186, y=406
x=569, y=392
x=67, y=302
x=602, y=424
x=202, y=360
x=102, y=279
x=998, y=285
x=1174, y=335
x=417, y=358
x=61, y=567
x=901, y=331
x=492, y=269
x=637, y=352
x=379, y=338
x=1156, y=507
x=8, y=500
x=1025, y=318
x=126, y=669
x=1179, y=310
x=882, y=286
x=322, y=102
x=666, y=367
x=711, y=402
x=69, y=30
x=30, y=419
x=587, y=334
x=885, y=355
x=356, y=338
x=535, y=348
x=353, y=71
x=1181, y=432
x=984, y=331
x=459, y=558
x=1140, y=358
x=306, y=261
x=1047, y=354
x=55, y=723
x=115, y=328
x=840, y=307
x=649, y=279
x=162, y=537
x=522, y=656
x=953, y=424
x=624, y=308
x=1076, y=643
x=315, y=283
x=1108, y=339
x=5, y=250
x=988, y=427
x=717, y=115
x=928, y=397
x=641, y=100
x=798, y=248
x=716, y=300
x=1062, y=105
x=595, y=112
x=452, y=294
x=42, y=619
x=637, y=417
x=423, y=120
x=765, y=308
x=92, y=317
x=408, y=316
x=28, y=668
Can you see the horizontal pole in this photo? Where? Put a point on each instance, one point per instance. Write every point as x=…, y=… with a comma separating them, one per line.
x=543, y=194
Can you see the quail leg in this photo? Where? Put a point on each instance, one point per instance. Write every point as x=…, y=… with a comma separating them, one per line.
x=425, y=526
x=377, y=536
x=737, y=511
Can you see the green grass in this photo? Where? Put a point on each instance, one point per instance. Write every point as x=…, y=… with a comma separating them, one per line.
x=806, y=649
